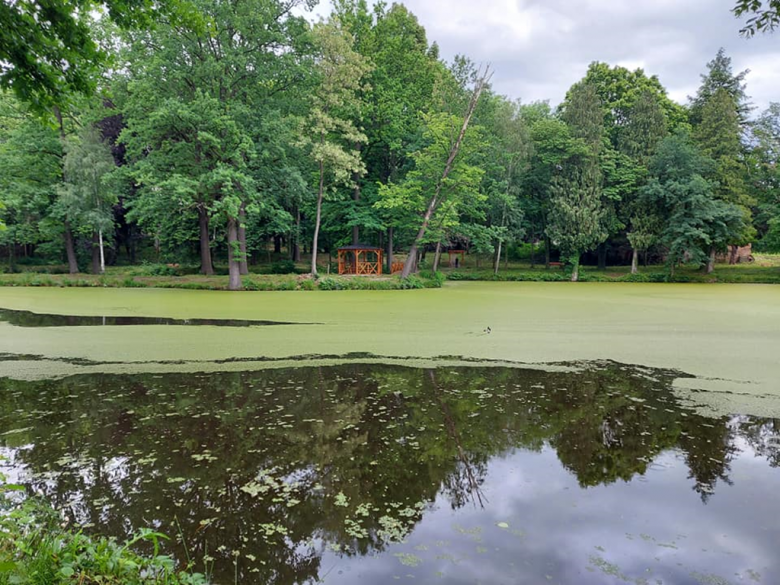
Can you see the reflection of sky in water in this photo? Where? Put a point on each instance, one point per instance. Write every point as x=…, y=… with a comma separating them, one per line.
x=655, y=527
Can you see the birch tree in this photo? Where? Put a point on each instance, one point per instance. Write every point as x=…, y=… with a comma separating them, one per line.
x=330, y=131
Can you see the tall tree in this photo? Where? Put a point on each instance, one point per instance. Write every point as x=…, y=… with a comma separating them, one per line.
x=578, y=218
x=621, y=89
x=329, y=130
x=438, y=161
x=197, y=98
x=764, y=176
x=721, y=76
x=718, y=135
x=645, y=127
x=31, y=163
x=693, y=219
x=86, y=195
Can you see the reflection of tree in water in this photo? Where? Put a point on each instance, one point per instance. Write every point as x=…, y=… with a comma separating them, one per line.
x=278, y=464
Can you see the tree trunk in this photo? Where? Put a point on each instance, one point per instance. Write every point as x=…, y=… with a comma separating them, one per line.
x=11, y=258
x=434, y=202
x=277, y=244
x=102, y=254
x=710, y=262
x=497, y=263
x=315, y=240
x=575, y=271
x=234, y=263
x=296, y=244
x=547, y=253
x=602, y=253
x=206, y=267
x=243, y=264
x=635, y=261
x=733, y=252
x=437, y=257
x=390, y=250
x=95, y=253
x=356, y=198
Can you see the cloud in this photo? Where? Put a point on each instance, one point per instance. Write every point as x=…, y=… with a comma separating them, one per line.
x=539, y=48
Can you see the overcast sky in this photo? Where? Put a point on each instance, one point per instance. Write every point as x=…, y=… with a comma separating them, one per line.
x=539, y=48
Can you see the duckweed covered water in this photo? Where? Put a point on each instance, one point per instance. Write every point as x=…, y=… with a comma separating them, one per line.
x=726, y=335
x=376, y=473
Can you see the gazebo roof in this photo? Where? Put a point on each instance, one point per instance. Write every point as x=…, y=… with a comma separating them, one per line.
x=355, y=247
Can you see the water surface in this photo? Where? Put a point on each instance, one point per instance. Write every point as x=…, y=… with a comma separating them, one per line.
x=377, y=473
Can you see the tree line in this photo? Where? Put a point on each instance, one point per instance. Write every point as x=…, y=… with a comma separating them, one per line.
x=237, y=132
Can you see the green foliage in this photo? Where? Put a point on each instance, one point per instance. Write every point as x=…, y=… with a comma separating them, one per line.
x=48, y=49
x=693, y=220
x=578, y=217
x=282, y=267
x=763, y=15
x=35, y=548
x=620, y=91
x=720, y=76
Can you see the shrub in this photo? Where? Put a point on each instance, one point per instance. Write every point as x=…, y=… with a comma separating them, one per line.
x=282, y=267
x=328, y=283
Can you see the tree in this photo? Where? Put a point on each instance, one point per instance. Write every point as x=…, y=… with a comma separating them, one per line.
x=720, y=76
x=763, y=162
x=763, y=15
x=620, y=90
x=48, y=50
x=576, y=213
x=198, y=97
x=645, y=127
x=693, y=219
x=718, y=135
x=436, y=162
x=578, y=218
x=86, y=195
x=329, y=130
x=402, y=82
x=31, y=159
x=440, y=186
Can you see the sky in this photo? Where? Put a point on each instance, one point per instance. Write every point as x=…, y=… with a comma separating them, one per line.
x=539, y=48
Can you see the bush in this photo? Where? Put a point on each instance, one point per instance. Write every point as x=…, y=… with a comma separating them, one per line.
x=282, y=267
x=328, y=283
x=433, y=279
x=412, y=282
x=35, y=549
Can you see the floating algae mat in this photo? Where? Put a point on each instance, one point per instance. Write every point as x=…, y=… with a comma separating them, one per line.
x=380, y=473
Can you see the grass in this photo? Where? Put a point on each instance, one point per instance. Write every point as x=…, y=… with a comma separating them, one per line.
x=765, y=270
x=131, y=278
x=36, y=548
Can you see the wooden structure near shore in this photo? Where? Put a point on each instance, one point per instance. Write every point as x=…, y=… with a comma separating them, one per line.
x=360, y=260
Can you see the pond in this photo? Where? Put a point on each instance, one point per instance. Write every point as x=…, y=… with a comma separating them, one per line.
x=479, y=433
x=374, y=473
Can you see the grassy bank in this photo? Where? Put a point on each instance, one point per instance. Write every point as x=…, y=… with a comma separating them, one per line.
x=130, y=278
x=765, y=270
x=35, y=547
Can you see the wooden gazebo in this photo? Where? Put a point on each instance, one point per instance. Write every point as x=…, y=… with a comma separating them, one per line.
x=360, y=259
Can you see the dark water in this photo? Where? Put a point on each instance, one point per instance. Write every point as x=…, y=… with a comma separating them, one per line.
x=30, y=319
x=375, y=474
